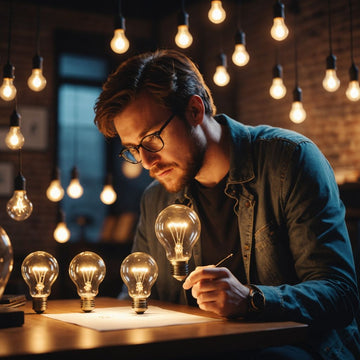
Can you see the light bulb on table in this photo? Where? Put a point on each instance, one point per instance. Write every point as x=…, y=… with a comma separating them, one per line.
x=19, y=207
x=75, y=190
x=40, y=270
x=36, y=80
x=7, y=89
x=177, y=228
x=277, y=89
x=353, y=89
x=279, y=30
x=87, y=270
x=139, y=272
x=216, y=13
x=14, y=138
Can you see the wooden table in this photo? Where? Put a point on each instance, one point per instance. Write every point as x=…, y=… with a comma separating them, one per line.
x=44, y=338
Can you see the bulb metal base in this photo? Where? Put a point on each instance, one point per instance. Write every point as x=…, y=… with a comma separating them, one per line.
x=180, y=270
x=139, y=305
x=39, y=305
x=87, y=305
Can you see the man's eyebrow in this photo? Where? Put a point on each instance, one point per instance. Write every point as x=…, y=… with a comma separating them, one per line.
x=141, y=135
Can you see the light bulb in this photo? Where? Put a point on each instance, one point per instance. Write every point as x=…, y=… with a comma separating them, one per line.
x=19, y=207
x=279, y=30
x=221, y=76
x=331, y=82
x=353, y=91
x=6, y=259
x=119, y=43
x=240, y=56
x=108, y=195
x=7, y=89
x=183, y=38
x=36, y=80
x=297, y=113
x=177, y=228
x=75, y=190
x=39, y=270
x=55, y=191
x=139, y=272
x=14, y=138
x=216, y=13
x=62, y=233
x=87, y=270
x=277, y=89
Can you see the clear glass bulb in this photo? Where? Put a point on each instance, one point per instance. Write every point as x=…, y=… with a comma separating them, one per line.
x=14, y=138
x=177, y=228
x=119, y=43
x=240, y=56
x=297, y=113
x=331, y=82
x=279, y=30
x=216, y=13
x=6, y=259
x=221, y=76
x=7, y=89
x=139, y=272
x=39, y=270
x=19, y=207
x=277, y=89
x=62, y=233
x=55, y=191
x=108, y=195
x=353, y=91
x=87, y=270
x=75, y=190
x=36, y=80
x=183, y=38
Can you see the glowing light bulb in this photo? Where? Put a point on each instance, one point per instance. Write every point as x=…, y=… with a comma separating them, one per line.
x=221, y=76
x=61, y=233
x=297, y=112
x=240, y=56
x=216, y=13
x=6, y=259
x=177, y=228
x=353, y=89
x=36, y=80
x=87, y=270
x=19, y=206
x=119, y=43
x=279, y=30
x=39, y=270
x=183, y=38
x=108, y=195
x=331, y=82
x=55, y=191
x=75, y=190
x=7, y=89
x=277, y=89
x=139, y=272
x=14, y=138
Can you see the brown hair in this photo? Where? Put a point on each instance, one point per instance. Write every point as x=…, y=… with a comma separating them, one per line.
x=170, y=77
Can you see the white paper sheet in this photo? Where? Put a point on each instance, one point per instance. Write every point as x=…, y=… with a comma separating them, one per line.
x=120, y=318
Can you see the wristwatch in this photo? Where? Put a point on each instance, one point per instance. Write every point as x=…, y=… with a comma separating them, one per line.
x=256, y=299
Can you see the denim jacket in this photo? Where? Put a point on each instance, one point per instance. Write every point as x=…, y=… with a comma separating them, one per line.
x=293, y=235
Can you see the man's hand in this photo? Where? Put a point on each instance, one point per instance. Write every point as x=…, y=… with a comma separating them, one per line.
x=218, y=290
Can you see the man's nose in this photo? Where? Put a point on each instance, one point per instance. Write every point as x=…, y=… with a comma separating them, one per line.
x=148, y=158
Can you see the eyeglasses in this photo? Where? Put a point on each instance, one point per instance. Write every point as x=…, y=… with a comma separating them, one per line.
x=152, y=143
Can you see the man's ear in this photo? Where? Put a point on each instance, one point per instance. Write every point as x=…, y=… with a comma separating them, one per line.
x=195, y=110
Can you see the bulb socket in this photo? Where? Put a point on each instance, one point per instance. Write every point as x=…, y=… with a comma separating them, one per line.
x=119, y=22
x=139, y=305
x=39, y=304
x=277, y=71
x=183, y=18
x=222, y=60
x=19, y=182
x=15, y=118
x=279, y=9
x=354, y=72
x=37, y=62
x=240, y=37
x=331, y=62
x=180, y=269
x=87, y=305
x=8, y=71
x=74, y=173
x=297, y=94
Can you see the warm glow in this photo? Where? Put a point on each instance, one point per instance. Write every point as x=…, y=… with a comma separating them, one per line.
x=277, y=89
x=221, y=76
x=240, y=56
x=183, y=38
x=14, y=138
x=216, y=13
x=353, y=91
x=61, y=233
x=297, y=113
x=19, y=206
x=75, y=189
x=331, y=82
x=55, y=191
x=7, y=89
x=108, y=195
x=119, y=43
x=36, y=81
x=279, y=30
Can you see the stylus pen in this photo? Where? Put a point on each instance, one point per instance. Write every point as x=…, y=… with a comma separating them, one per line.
x=222, y=260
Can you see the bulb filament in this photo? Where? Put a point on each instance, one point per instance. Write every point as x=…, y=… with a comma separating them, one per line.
x=177, y=231
x=39, y=274
x=88, y=274
x=139, y=274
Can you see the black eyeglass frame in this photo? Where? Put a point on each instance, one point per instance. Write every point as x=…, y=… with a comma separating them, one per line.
x=137, y=147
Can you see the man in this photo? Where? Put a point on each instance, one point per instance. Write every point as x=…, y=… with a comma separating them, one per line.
x=265, y=194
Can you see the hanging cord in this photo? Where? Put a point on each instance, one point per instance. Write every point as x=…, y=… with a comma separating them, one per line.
x=38, y=30
x=329, y=25
x=296, y=54
x=239, y=17
x=351, y=33
x=10, y=30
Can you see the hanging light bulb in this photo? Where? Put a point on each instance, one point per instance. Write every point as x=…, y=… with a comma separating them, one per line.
x=19, y=206
x=331, y=82
x=277, y=89
x=55, y=191
x=108, y=195
x=297, y=113
x=279, y=30
x=39, y=270
x=139, y=272
x=119, y=43
x=177, y=228
x=87, y=270
x=240, y=56
x=7, y=89
x=6, y=260
x=61, y=233
x=221, y=76
x=353, y=89
x=183, y=38
x=216, y=13
x=75, y=190
x=36, y=80
x=14, y=138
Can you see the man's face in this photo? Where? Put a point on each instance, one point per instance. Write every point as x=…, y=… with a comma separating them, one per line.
x=182, y=155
